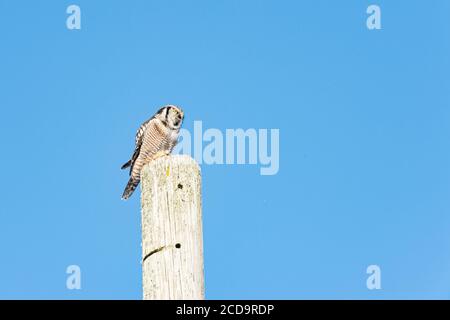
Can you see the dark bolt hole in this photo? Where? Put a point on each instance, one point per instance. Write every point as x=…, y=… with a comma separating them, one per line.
x=180, y=186
x=178, y=245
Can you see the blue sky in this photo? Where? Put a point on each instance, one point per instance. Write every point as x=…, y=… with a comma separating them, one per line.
x=364, y=120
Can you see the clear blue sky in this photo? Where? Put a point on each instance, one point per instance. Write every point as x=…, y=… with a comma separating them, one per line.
x=364, y=119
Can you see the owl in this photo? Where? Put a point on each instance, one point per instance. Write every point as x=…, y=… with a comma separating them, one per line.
x=155, y=138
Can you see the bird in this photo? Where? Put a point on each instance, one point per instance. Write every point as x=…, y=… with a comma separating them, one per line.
x=155, y=138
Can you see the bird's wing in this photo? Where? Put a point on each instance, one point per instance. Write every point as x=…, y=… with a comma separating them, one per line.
x=138, y=143
x=136, y=152
x=141, y=131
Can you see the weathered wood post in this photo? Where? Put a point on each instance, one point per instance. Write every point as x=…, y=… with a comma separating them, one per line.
x=172, y=239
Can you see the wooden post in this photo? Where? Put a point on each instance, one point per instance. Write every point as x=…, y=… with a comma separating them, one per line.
x=172, y=240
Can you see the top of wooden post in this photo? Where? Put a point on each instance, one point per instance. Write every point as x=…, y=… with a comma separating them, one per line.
x=163, y=162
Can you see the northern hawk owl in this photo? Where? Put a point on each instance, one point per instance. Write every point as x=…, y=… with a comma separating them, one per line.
x=156, y=137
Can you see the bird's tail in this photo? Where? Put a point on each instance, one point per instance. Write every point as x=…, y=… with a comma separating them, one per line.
x=129, y=189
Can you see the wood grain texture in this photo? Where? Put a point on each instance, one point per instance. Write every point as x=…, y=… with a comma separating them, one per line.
x=172, y=238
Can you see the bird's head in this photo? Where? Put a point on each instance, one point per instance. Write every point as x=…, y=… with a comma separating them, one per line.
x=172, y=115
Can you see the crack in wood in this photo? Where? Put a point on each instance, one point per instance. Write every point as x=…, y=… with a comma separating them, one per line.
x=177, y=246
x=153, y=252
